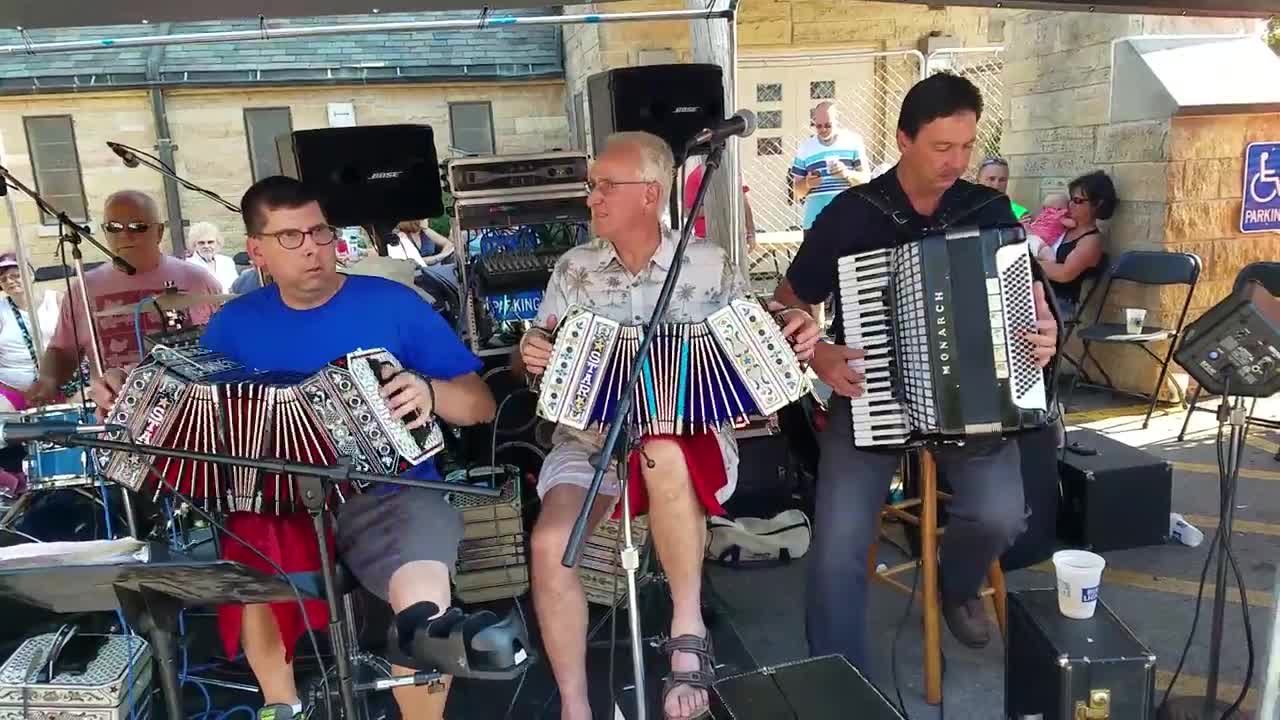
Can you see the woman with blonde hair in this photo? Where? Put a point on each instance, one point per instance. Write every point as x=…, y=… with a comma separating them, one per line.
x=206, y=242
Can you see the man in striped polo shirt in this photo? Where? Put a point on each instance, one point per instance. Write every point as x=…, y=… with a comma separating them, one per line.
x=827, y=163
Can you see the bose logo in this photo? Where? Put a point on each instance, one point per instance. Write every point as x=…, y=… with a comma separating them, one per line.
x=686, y=109
x=388, y=175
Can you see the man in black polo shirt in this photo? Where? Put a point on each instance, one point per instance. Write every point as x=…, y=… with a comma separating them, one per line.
x=937, y=128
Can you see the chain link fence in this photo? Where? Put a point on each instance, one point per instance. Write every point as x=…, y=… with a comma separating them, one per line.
x=866, y=89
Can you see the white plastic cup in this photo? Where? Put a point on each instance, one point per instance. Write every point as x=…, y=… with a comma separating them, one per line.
x=1134, y=318
x=1079, y=574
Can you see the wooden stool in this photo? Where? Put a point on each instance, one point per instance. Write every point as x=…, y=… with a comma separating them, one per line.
x=928, y=564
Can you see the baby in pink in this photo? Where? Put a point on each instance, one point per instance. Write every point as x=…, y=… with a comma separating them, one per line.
x=1050, y=223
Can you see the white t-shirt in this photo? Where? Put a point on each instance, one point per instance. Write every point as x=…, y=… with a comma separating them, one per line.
x=223, y=268
x=17, y=370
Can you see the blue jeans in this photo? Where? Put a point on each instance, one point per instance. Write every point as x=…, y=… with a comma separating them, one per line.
x=986, y=511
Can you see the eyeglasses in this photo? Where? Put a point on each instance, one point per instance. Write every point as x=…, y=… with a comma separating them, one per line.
x=993, y=161
x=1079, y=200
x=114, y=228
x=292, y=239
x=606, y=186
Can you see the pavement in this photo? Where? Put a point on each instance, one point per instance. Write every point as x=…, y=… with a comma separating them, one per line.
x=1151, y=589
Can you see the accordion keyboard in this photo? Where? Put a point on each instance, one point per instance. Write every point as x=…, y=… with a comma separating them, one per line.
x=879, y=417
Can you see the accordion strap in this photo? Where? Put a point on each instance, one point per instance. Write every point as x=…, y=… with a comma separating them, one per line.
x=904, y=219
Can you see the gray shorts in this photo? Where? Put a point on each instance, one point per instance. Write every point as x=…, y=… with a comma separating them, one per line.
x=379, y=533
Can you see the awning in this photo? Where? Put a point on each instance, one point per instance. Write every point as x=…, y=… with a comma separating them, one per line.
x=61, y=13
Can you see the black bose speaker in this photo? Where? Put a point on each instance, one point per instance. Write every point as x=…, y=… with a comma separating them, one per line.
x=673, y=102
x=367, y=175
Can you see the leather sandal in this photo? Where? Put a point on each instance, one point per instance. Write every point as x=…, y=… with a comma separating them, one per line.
x=701, y=679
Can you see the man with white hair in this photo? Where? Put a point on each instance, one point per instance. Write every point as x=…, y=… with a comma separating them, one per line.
x=678, y=480
x=206, y=241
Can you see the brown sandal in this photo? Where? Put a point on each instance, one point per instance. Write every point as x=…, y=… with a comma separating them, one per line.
x=701, y=679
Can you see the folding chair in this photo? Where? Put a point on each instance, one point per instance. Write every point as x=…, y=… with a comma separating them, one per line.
x=1142, y=268
x=1267, y=273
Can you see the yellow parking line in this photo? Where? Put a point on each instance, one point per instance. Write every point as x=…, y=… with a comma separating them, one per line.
x=1262, y=443
x=1161, y=583
x=1249, y=527
x=1207, y=469
x=1195, y=686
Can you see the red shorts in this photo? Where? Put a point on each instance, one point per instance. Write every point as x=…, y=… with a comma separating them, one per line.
x=290, y=542
x=706, y=471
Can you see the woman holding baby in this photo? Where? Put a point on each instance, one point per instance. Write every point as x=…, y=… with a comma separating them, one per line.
x=1065, y=235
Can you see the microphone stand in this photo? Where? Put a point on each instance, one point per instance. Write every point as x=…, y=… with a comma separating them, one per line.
x=141, y=158
x=72, y=233
x=615, y=451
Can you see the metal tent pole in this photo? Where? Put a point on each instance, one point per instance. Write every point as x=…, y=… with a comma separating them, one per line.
x=267, y=32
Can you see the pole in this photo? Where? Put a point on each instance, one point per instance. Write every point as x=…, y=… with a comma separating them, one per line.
x=266, y=32
x=1237, y=417
x=631, y=563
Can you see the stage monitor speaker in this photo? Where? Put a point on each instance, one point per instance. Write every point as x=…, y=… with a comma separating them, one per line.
x=367, y=175
x=674, y=102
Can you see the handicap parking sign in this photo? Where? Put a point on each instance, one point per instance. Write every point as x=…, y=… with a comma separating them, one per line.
x=1261, y=209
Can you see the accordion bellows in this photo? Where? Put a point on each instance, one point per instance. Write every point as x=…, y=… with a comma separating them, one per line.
x=697, y=376
x=197, y=400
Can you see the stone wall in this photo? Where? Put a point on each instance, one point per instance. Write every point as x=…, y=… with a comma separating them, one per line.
x=1058, y=71
x=208, y=127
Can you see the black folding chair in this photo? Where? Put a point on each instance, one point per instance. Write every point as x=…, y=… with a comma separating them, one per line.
x=1140, y=267
x=1267, y=273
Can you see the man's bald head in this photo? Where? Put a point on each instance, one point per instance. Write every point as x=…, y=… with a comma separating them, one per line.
x=135, y=201
x=133, y=228
x=826, y=119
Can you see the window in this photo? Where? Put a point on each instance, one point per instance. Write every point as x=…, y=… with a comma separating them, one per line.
x=768, y=92
x=768, y=146
x=822, y=90
x=262, y=126
x=471, y=127
x=56, y=166
x=769, y=119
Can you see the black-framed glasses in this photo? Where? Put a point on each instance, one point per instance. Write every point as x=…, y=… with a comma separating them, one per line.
x=292, y=239
x=114, y=227
x=1079, y=200
x=606, y=185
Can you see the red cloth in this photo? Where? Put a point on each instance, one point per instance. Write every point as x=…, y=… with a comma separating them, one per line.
x=290, y=542
x=706, y=471
x=691, y=185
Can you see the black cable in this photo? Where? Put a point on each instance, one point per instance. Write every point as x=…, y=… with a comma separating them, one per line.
x=297, y=594
x=1244, y=600
x=520, y=685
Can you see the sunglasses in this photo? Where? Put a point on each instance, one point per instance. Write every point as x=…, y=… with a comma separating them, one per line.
x=115, y=228
x=1077, y=200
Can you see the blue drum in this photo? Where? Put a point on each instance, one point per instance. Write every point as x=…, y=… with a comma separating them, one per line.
x=49, y=466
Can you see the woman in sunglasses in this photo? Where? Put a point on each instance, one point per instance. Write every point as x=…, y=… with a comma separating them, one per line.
x=133, y=230
x=1072, y=256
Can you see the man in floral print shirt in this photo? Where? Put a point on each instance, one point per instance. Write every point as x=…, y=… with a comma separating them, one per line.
x=682, y=479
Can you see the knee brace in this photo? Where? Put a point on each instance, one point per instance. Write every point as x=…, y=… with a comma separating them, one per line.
x=479, y=645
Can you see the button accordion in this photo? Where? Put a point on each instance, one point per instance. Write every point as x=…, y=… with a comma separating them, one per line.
x=697, y=376
x=942, y=322
x=196, y=400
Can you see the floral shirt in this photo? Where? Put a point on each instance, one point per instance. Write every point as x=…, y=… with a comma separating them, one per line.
x=591, y=275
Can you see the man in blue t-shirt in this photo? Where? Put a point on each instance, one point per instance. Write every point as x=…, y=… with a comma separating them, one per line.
x=400, y=542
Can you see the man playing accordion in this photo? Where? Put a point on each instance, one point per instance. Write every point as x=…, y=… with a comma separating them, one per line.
x=400, y=542
x=937, y=129
x=678, y=480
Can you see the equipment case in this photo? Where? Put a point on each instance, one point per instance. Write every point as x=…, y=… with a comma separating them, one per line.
x=1118, y=498
x=99, y=690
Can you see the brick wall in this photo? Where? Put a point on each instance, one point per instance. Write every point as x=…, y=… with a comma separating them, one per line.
x=208, y=126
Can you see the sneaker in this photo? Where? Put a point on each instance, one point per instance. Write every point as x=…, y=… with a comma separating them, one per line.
x=280, y=711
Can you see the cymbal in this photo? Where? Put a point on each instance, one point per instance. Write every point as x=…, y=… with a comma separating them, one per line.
x=168, y=301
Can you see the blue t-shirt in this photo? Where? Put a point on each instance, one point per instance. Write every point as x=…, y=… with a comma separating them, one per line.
x=812, y=156
x=259, y=331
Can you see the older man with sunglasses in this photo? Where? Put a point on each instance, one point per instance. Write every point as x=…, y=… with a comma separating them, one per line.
x=133, y=230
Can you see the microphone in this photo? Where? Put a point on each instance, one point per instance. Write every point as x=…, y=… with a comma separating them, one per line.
x=130, y=160
x=742, y=124
x=20, y=432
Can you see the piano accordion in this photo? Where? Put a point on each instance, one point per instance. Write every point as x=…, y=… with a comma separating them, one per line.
x=698, y=376
x=193, y=399
x=942, y=323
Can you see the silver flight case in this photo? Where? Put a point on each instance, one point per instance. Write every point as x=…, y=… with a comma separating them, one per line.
x=101, y=692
